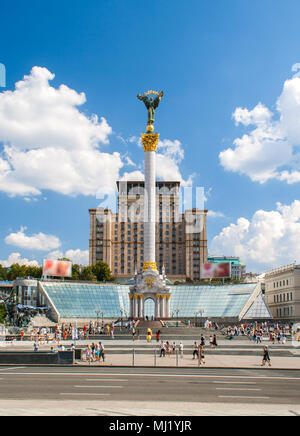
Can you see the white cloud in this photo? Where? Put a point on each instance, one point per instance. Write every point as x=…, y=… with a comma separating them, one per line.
x=39, y=241
x=270, y=150
x=169, y=156
x=269, y=239
x=133, y=176
x=16, y=258
x=80, y=257
x=214, y=214
x=50, y=144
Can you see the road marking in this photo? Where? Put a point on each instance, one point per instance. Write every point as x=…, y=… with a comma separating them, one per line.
x=11, y=369
x=235, y=383
x=243, y=396
x=237, y=389
x=107, y=379
x=100, y=386
x=79, y=393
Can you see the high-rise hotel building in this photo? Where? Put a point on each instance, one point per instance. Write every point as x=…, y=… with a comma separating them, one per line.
x=118, y=238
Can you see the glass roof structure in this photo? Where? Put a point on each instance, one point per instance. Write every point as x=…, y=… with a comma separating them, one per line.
x=84, y=300
x=259, y=309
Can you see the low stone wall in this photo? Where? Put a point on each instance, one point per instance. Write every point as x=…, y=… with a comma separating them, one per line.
x=39, y=358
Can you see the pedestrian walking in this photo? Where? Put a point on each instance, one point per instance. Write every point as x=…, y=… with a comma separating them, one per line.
x=162, y=349
x=101, y=352
x=181, y=349
x=202, y=358
x=214, y=341
x=157, y=335
x=168, y=349
x=266, y=357
x=88, y=354
x=174, y=348
x=195, y=351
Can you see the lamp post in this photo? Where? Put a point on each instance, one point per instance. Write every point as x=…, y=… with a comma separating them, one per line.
x=99, y=312
x=177, y=310
x=198, y=312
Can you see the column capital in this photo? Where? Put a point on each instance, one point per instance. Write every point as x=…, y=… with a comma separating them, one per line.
x=150, y=141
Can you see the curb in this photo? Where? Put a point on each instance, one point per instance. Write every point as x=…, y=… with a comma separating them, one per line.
x=152, y=367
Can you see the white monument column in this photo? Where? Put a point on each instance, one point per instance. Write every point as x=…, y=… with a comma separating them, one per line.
x=149, y=250
x=167, y=314
x=157, y=307
x=162, y=307
x=136, y=307
x=150, y=141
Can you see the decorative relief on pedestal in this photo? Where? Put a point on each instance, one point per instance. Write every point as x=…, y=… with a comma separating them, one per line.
x=150, y=141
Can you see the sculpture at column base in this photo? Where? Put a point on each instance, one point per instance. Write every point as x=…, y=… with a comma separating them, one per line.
x=150, y=284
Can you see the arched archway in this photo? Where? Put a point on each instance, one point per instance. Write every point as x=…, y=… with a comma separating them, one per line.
x=149, y=308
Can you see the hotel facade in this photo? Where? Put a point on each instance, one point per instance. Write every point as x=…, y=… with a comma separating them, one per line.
x=118, y=238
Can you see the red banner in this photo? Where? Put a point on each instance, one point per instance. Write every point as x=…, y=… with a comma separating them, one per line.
x=57, y=268
x=215, y=270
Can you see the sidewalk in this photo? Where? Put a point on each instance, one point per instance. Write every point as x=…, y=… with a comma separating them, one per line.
x=211, y=361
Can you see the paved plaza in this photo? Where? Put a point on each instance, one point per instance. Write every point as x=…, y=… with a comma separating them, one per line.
x=228, y=354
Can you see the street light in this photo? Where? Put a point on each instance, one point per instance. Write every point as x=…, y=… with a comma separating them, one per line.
x=198, y=312
x=177, y=310
x=121, y=309
x=99, y=312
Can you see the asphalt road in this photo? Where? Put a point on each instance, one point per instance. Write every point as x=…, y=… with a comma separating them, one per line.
x=140, y=384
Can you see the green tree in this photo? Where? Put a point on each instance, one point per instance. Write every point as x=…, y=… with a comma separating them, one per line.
x=76, y=272
x=3, y=273
x=2, y=313
x=102, y=272
x=34, y=272
x=16, y=271
x=87, y=274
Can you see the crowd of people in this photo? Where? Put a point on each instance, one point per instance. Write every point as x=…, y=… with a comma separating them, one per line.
x=95, y=352
x=274, y=333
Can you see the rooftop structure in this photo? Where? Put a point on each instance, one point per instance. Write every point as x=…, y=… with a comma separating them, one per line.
x=74, y=300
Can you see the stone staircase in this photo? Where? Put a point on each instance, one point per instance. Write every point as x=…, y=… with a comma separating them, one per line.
x=144, y=325
x=41, y=321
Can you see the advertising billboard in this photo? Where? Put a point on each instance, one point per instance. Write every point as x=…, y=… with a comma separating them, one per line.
x=57, y=268
x=215, y=270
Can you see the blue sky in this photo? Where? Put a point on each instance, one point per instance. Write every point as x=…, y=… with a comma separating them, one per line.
x=230, y=105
